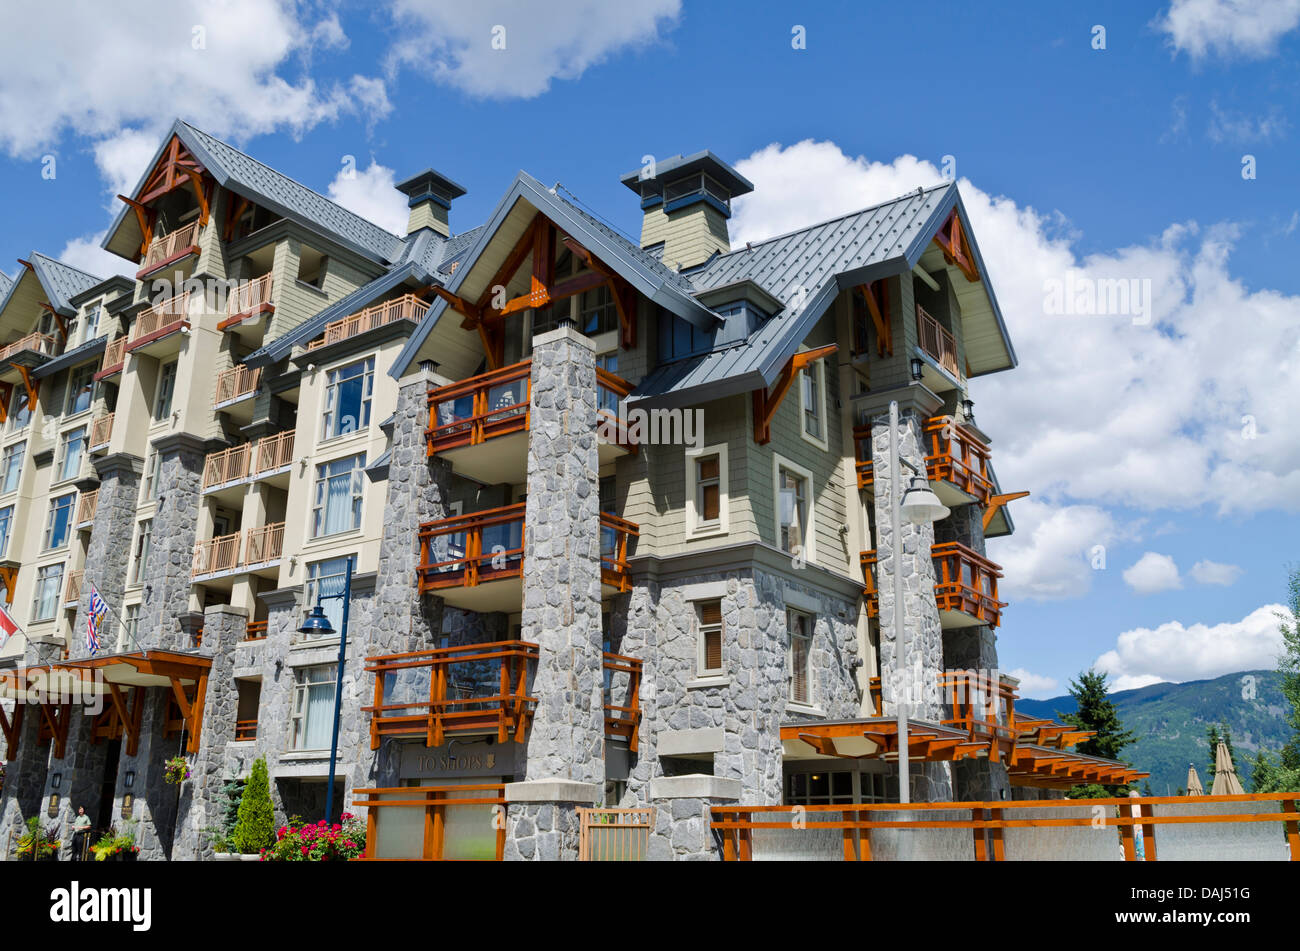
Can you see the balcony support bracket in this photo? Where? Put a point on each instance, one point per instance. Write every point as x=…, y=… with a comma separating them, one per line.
x=951, y=239
x=191, y=710
x=766, y=404
x=32, y=386
x=9, y=575
x=130, y=718
x=12, y=730
x=997, y=501
x=877, y=297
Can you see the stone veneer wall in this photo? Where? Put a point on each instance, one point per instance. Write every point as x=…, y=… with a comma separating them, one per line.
x=24, y=785
x=165, y=620
x=154, y=801
x=109, y=552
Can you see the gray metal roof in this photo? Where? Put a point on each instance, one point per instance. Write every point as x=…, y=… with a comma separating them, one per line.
x=6, y=282
x=61, y=281
x=274, y=190
x=71, y=358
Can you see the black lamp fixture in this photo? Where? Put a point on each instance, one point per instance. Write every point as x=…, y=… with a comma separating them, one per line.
x=968, y=409
x=316, y=624
x=916, y=369
x=129, y=779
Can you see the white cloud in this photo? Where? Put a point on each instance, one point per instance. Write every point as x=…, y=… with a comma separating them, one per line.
x=515, y=48
x=371, y=195
x=94, y=68
x=1173, y=652
x=1237, y=128
x=1213, y=572
x=1249, y=28
x=1052, y=552
x=1153, y=573
x=1035, y=686
x=86, y=254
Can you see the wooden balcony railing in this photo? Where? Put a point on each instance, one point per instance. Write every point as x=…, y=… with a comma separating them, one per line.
x=406, y=307
x=160, y=320
x=230, y=552
x=239, y=381
x=72, y=592
x=175, y=244
x=973, y=702
x=958, y=456
x=474, y=687
x=245, y=730
x=870, y=591
x=255, y=631
x=936, y=341
x=114, y=357
x=967, y=582
x=623, y=719
x=496, y=403
x=101, y=430
x=40, y=343
x=468, y=550
x=264, y=544
x=86, y=506
x=273, y=452
x=229, y=465
x=953, y=454
x=247, y=298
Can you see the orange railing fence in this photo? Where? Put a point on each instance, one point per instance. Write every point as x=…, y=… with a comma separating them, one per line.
x=435, y=823
x=406, y=307
x=936, y=341
x=171, y=244
x=614, y=835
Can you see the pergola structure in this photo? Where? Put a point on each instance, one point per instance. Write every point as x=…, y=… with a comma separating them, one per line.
x=52, y=690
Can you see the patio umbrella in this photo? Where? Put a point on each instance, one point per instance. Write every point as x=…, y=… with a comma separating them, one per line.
x=1226, y=782
x=1194, y=787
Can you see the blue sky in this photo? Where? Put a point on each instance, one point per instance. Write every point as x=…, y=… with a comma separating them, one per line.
x=1125, y=160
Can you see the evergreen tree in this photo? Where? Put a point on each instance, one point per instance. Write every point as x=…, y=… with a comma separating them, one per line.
x=1094, y=711
x=1283, y=775
x=255, y=827
x=1212, y=738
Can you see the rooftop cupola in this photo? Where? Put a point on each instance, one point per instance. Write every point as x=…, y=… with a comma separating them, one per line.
x=429, y=195
x=686, y=203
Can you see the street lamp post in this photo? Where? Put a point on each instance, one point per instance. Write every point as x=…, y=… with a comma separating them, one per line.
x=921, y=506
x=317, y=624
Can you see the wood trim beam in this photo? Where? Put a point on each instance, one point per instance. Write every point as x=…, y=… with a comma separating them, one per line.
x=9, y=575
x=997, y=501
x=951, y=239
x=766, y=404
x=234, y=211
x=32, y=386
x=877, y=297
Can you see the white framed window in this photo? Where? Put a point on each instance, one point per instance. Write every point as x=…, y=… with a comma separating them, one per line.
x=6, y=527
x=126, y=637
x=799, y=657
x=794, y=507
x=812, y=403
x=706, y=491
x=140, y=556
x=162, y=404
x=337, y=506
x=348, y=391
x=312, y=719
x=709, y=635
x=49, y=584
x=81, y=387
x=12, y=466
x=59, y=521
x=93, y=314
x=73, y=450
x=152, y=486
x=325, y=578
x=20, y=409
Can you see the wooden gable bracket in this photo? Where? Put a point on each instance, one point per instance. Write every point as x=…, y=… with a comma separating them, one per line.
x=58, y=321
x=12, y=730
x=877, y=297
x=623, y=293
x=955, y=247
x=766, y=404
x=32, y=386
x=57, y=716
x=9, y=575
x=130, y=718
x=144, y=216
x=234, y=211
x=191, y=710
x=997, y=501
x=6, y=394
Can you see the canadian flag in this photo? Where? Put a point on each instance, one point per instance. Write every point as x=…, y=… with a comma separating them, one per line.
x=8, y=626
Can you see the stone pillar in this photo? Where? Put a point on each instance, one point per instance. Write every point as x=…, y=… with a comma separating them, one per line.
x=153, y=800
x=24, y=785
x=200, y=803
x=108, y=556
x=683, y=814
x=562, y=606
x=80, y=775
x=917, y=673
x=165, y=618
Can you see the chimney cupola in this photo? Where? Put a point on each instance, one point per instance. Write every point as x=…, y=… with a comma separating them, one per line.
x=429, y=195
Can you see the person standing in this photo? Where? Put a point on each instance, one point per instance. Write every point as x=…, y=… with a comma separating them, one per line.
x=80, y=829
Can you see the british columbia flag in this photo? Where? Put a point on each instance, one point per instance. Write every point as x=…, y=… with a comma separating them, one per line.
x=95, y=620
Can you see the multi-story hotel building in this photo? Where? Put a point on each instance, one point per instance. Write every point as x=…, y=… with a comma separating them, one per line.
x=617, y=514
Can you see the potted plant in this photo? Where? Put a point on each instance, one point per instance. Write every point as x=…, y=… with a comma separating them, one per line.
x=223, y=849
x=115, y=846
x=39, y=844
x=297, y=841
x=176, y=770
x=255, y=827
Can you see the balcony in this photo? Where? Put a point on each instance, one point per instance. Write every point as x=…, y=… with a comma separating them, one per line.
x=101, y=430
x=480, y=425
x=256, y=551
x=248, y=300
x=956, y=461
x=476, y=689
x=156, y=331
x=29, y=352
x=938, y=344
x=245, y=730
x=230, y=469
x=171, y=248
x=407, y=307
x=965, y=589
x=72, y=590
x=475, y=562
x=255, y=631
x=974, y=703
x=87, y=504
x=114, y=358
x=237, y=383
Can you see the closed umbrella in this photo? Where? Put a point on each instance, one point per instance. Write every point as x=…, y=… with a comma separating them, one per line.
x=1194, y=787
x=1226, y=782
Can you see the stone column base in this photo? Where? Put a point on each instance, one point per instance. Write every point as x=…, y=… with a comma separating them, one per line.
x=542, y=822
x=681, y=830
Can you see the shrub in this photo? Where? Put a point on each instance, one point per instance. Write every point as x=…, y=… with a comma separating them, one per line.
x=318, y=842
x=255, y=827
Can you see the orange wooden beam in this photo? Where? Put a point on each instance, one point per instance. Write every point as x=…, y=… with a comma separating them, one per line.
x=879, y=310
x=766, y=404
x=9, y=575
x=997, y=501
x=144, y=216
x=956, y=249
x=32, y=386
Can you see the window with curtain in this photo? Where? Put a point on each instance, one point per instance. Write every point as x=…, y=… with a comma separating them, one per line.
x=81, y=385
x=6, y=526
x=709, y=657
x=92, y=322
x=799, y=672
x=58, y=521
x=46, y=599
x=347, y=399
x=708, y=489
x=74, y=448
x=326, y=578
x=338, y=496
x=810, y=381
x=313, y=707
